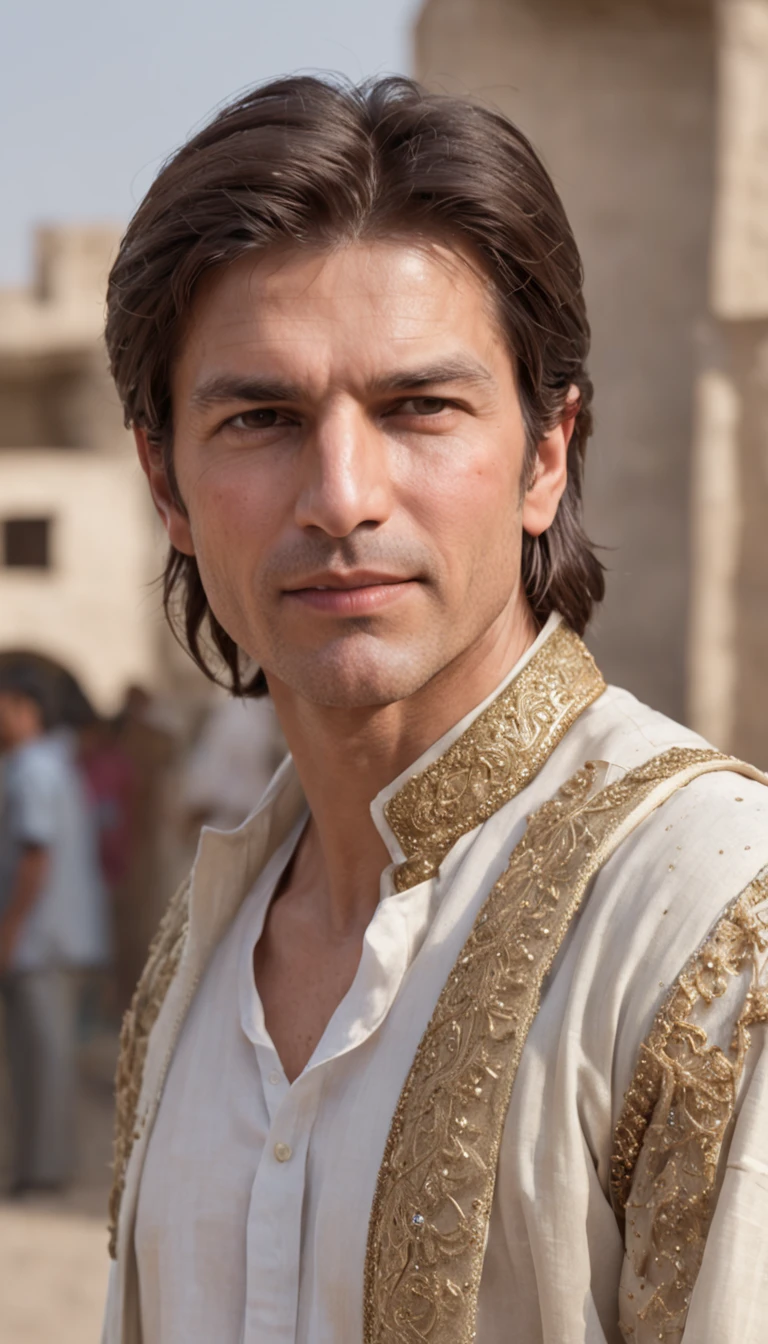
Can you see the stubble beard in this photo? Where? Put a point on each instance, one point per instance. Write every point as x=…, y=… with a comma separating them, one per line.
x=359, y=669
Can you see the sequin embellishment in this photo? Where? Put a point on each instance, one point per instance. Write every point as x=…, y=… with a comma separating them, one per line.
x=676, y=1112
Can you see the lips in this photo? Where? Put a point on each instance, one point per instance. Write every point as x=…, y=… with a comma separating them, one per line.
x=357, y=594
x=331, y=582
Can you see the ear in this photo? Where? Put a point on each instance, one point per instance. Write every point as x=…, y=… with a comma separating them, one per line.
x=174, y=520
x=550, y=471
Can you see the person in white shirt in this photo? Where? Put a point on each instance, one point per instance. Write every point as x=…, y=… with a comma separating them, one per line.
x=460, y=1035
x=53, y=925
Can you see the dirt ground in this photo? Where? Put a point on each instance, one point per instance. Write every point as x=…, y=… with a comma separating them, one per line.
x=53, y=1250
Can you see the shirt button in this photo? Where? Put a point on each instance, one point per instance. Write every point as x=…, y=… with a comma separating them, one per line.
x=274, y=1077
x=283, y=1152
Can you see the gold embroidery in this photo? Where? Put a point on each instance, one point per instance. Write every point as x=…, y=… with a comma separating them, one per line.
x=162, y=964
x=432, y=1204
x=498, y=755
x=669, y=1137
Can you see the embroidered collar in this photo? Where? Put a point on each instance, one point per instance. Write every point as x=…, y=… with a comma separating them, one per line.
x=500, y=752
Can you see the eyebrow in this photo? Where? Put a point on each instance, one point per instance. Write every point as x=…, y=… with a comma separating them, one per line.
x=459, y=369
x=228, y=388
x=224, y=388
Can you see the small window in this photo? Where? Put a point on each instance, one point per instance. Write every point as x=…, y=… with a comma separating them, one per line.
x=27, y=543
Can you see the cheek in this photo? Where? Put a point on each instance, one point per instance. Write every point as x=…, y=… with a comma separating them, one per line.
x=470, y=507
x=232, y=512
x=232, y=520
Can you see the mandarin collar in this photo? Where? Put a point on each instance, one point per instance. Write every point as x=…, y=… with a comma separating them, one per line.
x=489, y=756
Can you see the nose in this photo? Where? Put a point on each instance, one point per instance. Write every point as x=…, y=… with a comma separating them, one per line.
x=345, y=474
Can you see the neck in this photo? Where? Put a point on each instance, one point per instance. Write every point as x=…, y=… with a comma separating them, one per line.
x=345, y=757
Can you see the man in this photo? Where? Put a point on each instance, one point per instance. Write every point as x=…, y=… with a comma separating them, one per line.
x=459, y=1035
x=52, y=924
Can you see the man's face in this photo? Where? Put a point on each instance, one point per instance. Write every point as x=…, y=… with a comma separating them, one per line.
x=6, y=719
x=349, y=446
x=19, y=719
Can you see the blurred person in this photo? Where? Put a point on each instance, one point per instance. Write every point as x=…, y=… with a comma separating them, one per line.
x=52, y=926
x=462, y=1035
x=72, y=710
x=150, y=750
x=110, y=779
x=231, y=763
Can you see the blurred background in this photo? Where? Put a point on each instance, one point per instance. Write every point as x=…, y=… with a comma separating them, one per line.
x=652, y=116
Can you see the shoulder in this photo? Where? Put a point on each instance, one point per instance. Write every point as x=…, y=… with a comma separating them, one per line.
x=677, y=871
x=722, y=814
x=39, y=783
x=619, y=729
x=701, y=845
x=38, y=762
x=692, y=855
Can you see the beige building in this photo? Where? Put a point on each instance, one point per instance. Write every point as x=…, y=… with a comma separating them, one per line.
x=653, y=117
x=80, y=555
x=80, y=550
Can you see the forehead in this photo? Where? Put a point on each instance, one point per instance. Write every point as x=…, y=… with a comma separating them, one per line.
x=363, y=305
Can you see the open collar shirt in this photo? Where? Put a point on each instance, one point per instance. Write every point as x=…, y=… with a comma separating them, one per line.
x=247, y=1201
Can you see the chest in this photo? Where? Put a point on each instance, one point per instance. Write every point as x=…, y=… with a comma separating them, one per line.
x=301, y=978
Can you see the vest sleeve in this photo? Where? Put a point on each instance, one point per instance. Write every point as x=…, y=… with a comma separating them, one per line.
x=690, y=1176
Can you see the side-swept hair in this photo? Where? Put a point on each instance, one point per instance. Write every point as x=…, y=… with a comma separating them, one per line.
x=315, y=162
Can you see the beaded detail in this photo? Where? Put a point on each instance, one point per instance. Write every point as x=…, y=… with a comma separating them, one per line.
x=669, y=1137
x=499, y=754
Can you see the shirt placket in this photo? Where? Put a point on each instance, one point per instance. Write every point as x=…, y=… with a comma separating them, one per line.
x=273, y=1240
x=279, y=1190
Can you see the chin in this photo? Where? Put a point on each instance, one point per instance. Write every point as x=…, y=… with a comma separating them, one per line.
x=339, y=679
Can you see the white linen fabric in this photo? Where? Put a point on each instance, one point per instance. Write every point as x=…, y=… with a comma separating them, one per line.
x=245, y=1212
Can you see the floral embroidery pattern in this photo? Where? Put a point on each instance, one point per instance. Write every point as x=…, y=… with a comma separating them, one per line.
x=432, y=1204
x=499, y=754
x=676, y=1112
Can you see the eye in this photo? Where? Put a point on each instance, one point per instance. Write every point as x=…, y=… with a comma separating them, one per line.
x=423, y=405
x=256, y=419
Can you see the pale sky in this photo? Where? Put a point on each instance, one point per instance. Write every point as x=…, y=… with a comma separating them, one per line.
x=95, y=94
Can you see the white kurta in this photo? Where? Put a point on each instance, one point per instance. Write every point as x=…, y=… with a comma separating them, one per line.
x=246, y=1208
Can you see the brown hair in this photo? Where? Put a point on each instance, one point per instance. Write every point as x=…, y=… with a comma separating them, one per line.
x=313, y=162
